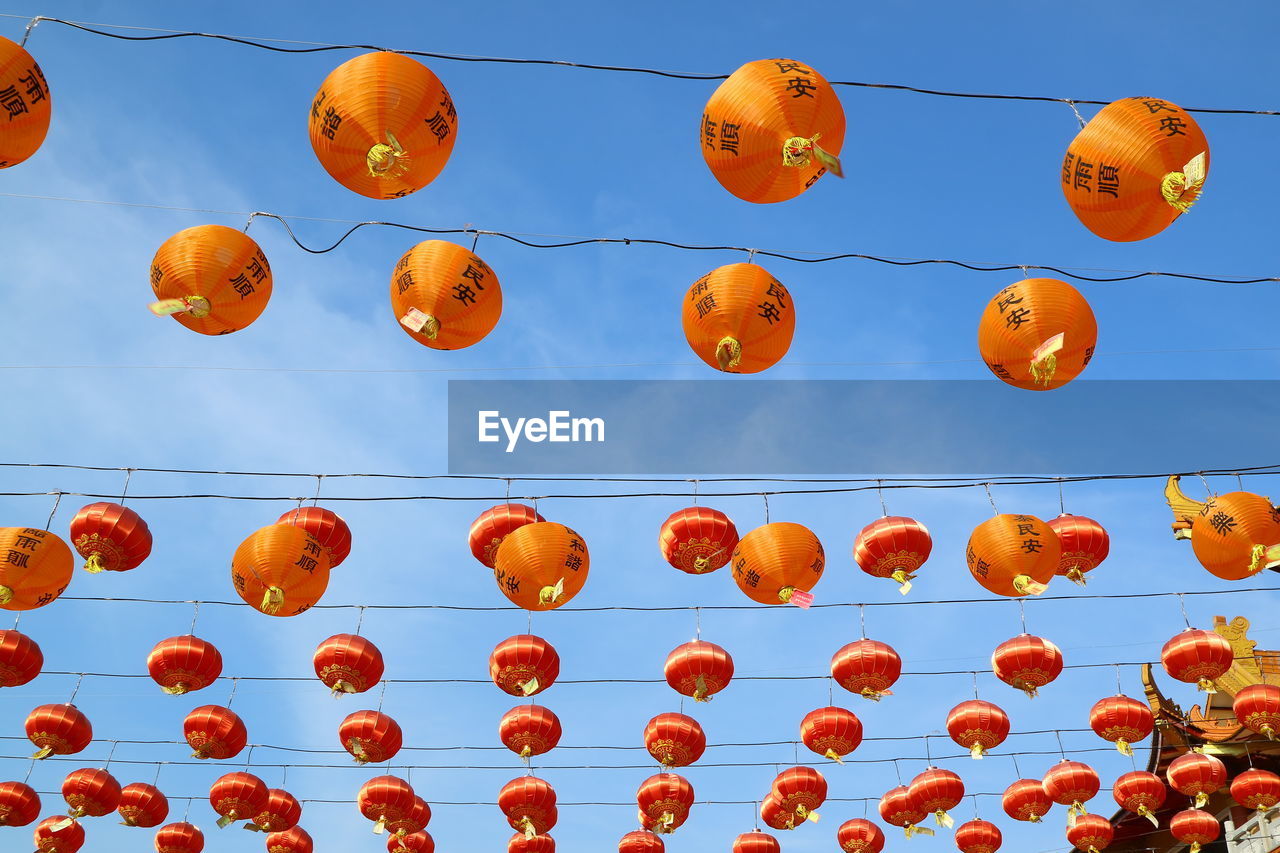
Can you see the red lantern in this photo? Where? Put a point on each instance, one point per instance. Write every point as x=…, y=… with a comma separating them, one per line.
x=1197, y=657
x=1026, y=800
x=1194, y=774
x=529, y=804
x=19, y=804
x=326, y=526
x=898, y=808
x=20, y=659
x=1121, y=720
x=58, y=730
x=665, y=799
x=831, y=732
x=521, y=843
x=893, y=547
x=978, y=726
x=1090, y=833
x=1140, y=792
x=294, y=840
x=756, y=842
x=238, y=796
x=860, y=836
x=142, y=805
x=493, y=525
x=58, y=835
x=215, y=732
x=698, y=539
x=414, y=842
x=529, y=730
x=282, y=811
x=978, y=836
x=698, y=669
x=110, y=537
x=866, y=667
x=675, y=740
x=184, y=664
x=370, y=736
x=773, y=814
x=1072, y=784
x=415, y=820
x=1027, y=662
x=641, y=841
x=1257, y=708
x=90, y=793
x=1085, y=545
x=937, y=792
x=385, y=799
x=1256, y=789
x=800, y=791
x=1195, y=828
x=179, y=838
x=348, y=663
x=524, y=665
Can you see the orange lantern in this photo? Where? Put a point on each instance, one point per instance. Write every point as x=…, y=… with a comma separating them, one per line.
x=1198, y=657
x=282, y=812
x=295, y=840
x=19, y=804
x=415, y=820
x=524, y=665
x=20, y=659
x=326, y=526
x=756, y=842
x=1257, y=708
x=348, y=663
x=674, y=740
x=110, y=537
x=58, y=730
x=238, y=796
x=383, y=125
x=739, y=319
x=184, y=664
x=773, y=815
x=385, y=800
x=800, y=791
x=1072, y=784
x=1037, y=334
x=1195, y=828
x=1026, y=800
x=893, y=547
x=1085, y=544
x=520, y=843
x=1235, y=536
x=90, y=793
x=541, y=566
x=1138, y=164
x=142, y=805
x=35, y=568
x=978, y=726
x=1256, y=789
x=444, y=296
x=1194, y=774
x=978, y=836
x=831, y=732
x=761, y=128
x=414, y=842
x=1013, y=555
x=1121, y=720
x=529, y=730
x=1091, y=833
x=280, y=570
x=26, y=99
x=1140, y=792
x=698, y=669
x=898, y=808
x=773, y=561
x=1027, y=663
x=665, y=799
x=370, y=736
x=937, y=791
x=215, y=732
x=493, y=525
x=866, y=667
x=640, y=841
x=697, y=539
x=179, y=838
x=860, y=836
x=529, y=804
x=212, y=279
x=58, y=835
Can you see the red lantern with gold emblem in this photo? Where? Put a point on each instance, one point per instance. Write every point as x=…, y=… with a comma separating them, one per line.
x=20, y=659
x=1026, y=800
x=295, y=840
x=860, y=836
x=184, y=664
x=1072, y=784
x=665, y=799
x=937, y=791
x=1195, y=828
x=58, y=835
x=774, y=815
x=774, y=561
x=282, y=812
x=19, y=804
x=326, y=526
x=866, y=667
x=384, y=799
x=1085, y=544
x=529, y=804
x=1013, y=555
x=215, y=732
x=978, y=726
x=348, y=663
x=899, y=808
x=110, y=537
x=1121, y=720
x=893, y=547
x=90, y=793
x=698, y=669
x=520, y=843
x=142, y=805
x=1091, y=833
x=756, y=842
x=697, y=539
x=238, y=796
x=1197, y=657
x=831, y=732
x=414, y=842
x=801, y=791
x=675, y=740
x=640, y=841
x=529, y=730
x=493, y=525
x=370, y=736
x=1194, y=774
x=1257, y=708
x=1256, y=789
x=1027, y=662
x=179, y=838
x=524, y=665
x=415, y=820
x=978, y=836
x=1140, y=792
x=58, y=730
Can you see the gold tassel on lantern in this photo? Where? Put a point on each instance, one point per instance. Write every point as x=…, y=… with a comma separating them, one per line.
x=911, y=829
x=1201, y=799
x=343, y=687
x=977, y=751
x=530, y=687
x=1122, y=746
x=834, y=756
x=904, y=580
x=380, y=825
x=93, y=565
x=1207, y=686
x=176, y=690
x=1026, y=586
x=227, y=819
x=1143, y=811
x=272, y=600
x=943, y=819
x=700, y=690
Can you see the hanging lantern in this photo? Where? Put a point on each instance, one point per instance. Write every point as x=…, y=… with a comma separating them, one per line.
x=90, y=793
x=58, y=730
x=1194, y=774
x=142, y=805
x=294, y=840
x=739, y=319
x=280, y=570
x=110, y=537
x=665, y=799
x=1091, y=833
x=383, y=125
x=184, y=664
x=698, y=669
x=800, y=791
x=1026, y=800
x=674, y=740
x=1235, y=536
x=1072, y=784
x=1257, y=708
x=27, y=102
x=893, y=547
x=641, y=841
x=521, y=843
x=1027, y=662
x=1140, y=792
x=19, y=804
x=541, y=566
x=493, y=525
x=529, y=730
x=385, y=799
x=215, y=732
x=58, y=835
x=415, y=820
x=831, y=732
x=978, y=726
x=773, y=561
x=348, y=663
x=414, y=842
x=1195, y=828
x=238, y=796
x=1136, y=166
x=773, y=814
x=1037, y=334
x=1198, y=657
x=860, y=836
x=370, y=737
x=282, y=811
x=1256, y=789
x=524, y=665
x=866, y=667
x=444, y=296
x=899, y=808
x=937, y=791
x=756, y=842
x=1085, y=544
x=697, y=539
x=1121, y=720
x=179, y=838
x=20, y=659
x=35, y=569
x=1013, y=555
x=978, y=836
x=326, y=526
x=212, y=279
x=762, y=126
x=529, y=804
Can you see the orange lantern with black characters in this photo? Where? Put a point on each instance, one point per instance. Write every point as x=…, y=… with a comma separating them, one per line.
x=179, y=838
x=35, y=567
x=1198, y=657
x=978, y=726
x=1256, y=789
x=698, y=669
x=326, y=526
x=774, y=561
x=493, y=525
x=529, y=730
x=90, y=792
x=697, y=539
x=58, y=730
x=216, y=732
x=860, y=836
x=756, y=842
x=831, y=732
x=27, y=103
x=541, y=566
x=212, y=279
x=238, y=796
x=280, y=570
x=937, y=791
x=1091, y=833
x=1084, y=543
x=20, y=659
x=1194, y=774
x=665, y=799
x=58, y=835
x=1072, y=784
x=1236, y=535
x=282, y=812
x=348, y=663
x=675, y=740
x=296, y=840
x=370, y=736
x=444, y=296
x=1195, y=829
x=978, y=836
x=1037, y=334
x=19, y=804
x=739, y=319
x=1140, y=792
x=1026, y=800
x=111, y=537
x=1027, y=662
x=385, y=799
x=184, y=664
x=899, y=808
x=524, y=665
x=1013, y=555
x=866, y=667
x=641, y=841
x=1121, y=720
x=529, y=804
x=142, y=805
x=1257, y=708
x=893, y=547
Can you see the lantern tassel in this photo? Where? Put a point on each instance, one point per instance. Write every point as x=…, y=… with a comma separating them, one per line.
x=911, y=829
x=62, y=824
x=873, y=694
x=700, y=564
x=728, y=353
x=341, y=688
x=1122, y=746
x=1034, y=818
x=6, y=594
x=1201, y=799
x=525, y=752
x=1207, y=685
x=530, y=687
x=380, y=825
x=1255, y=557
x=227, y=819
x=253, y=827
x=1024, y=585
x=834, y=756
x=943, y=819
x=904, y=579
x=43, y=752
x=977, y=751
x=1044, y=360
x=1143, y=811
x=169, y=307
x=93, y=565
x=357, y=750
x=1027, y=688
x=552, y=594
x=76, y=813
x=1268, y=731
x=784, y=594
x=1177, y=186
x=272, y=600
x=1194, y=848
x=700, y=690
x=1077, y=576
x=387, y=160
x=176, y=689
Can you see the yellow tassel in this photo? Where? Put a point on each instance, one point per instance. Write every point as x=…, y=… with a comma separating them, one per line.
x=834, y=756
x=530, y=687
x=904, y=580
x=387, y=159
x=784, y=594
x=976, y=751
x=6, y=594
x=380, y=825
x=911, y=829
x=1201, y=799
x=700, y=690
x=343, y=687
x=272, y=600
x=1035, y=818
x=1177, y=186
x=1042, y=371
x=1255, y=557
x=1268, y=731
x=43, y=752
x=551, y=594
x=196, y=306
x=253, y=827
x=93, y=565
x=176, y=690
x=728, y=353
x=1143, y=811
x=1077, y=576
x=1122, y=746
x=226, y=820
x=526, y=752
x=1207, y=686
x=1195, y=847
x=199, y=753
x=1026, y=688
x=1024, y=585
x=943, y=819
x=874, y=695
x=527, y=827
x=356, y=748
x=700, y=564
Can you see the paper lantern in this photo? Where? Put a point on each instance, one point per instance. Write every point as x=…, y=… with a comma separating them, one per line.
x=1194, y=774
x=1013, y=555
x=1027, y=662
x=893, y=547
x=1197, y=657
x=326, y=526
x=212, y=279
x=370, y=736
x=384, y=799
x=698, y=669
x=697, y=539
x=762, y=127
x=860, y=836
x=1235, y=536
x=1138, y=165
x=978, y=726
x=739, y=319
x=1026, y=800
x=1084, y=543
x=294, y=840
x=1090, y=833
x=58, y=835
x=348, y=663
x=529, y=804
x=529, y=730
x=20, y=659
x=142, y=805
x=541, y=566
x=1037, y=334
x=773, y=561
x=184, y=664
x=90, y=793
x=1256, y=789
x=415, y=820
x=58, y=730
x=866, y=667
x=110, y=537
x=414, y=842
x=1140, y=792
x=978, y=836
x=282, y=811
x=756, y=842
x=899, y=808
x=444, y=296
x=280, y=570
x=19, y=804
x=1072, y=784
x=640, y=841
x=521, y=843
x=179, y=838
x=524, y=665
x=493, y=525
x=937, y=791
x=215, y=732
x=1194, y=828
x=665, y=798
x=1257, y=708
x=674, y=740
x=831, y=732
x=238, y=796
x=24, y=93
x=1121, y=720
x=35, y=568
x=800, y=791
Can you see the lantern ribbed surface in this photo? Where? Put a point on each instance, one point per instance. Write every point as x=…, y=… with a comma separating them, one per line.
x=20, y=659
x=493, y=525
x=866, y=667
x=675, y=740
x=739, y=319
x=184, y=664
x=1232, y=534
x=348, y=663
x=280, y=570
x=220, y=274
x=698, y=669
x=773, y=561
x=37, y=568
x=697, y=539
x=27, y=126
x=329, y=529
x=524, y=665
x=215, y=732
x=535, y=559
x=1018, y=334
x=1013, y=555
x=1084, y=543
x=370, y=736
x=111, y=537
x=444, y=296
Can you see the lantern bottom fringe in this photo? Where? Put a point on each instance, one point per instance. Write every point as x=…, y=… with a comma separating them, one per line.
x=226, y=820
x=178, y=689
x=6, y=595
x=904, y=579
x=1207, y=685
x=93, y=565
x=943, y=819
x=62, y=824
x=1143, y=811
x=834, y=756
x=1123, y=747
x=728, y=352
x=1076, y=576
x=387, y=159
x=1024, y=585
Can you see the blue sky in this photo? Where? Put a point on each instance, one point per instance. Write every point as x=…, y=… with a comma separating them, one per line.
x=547, y=150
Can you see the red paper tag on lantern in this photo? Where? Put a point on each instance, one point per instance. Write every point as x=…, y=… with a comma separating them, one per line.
x=800, y=598
x=414, y=320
